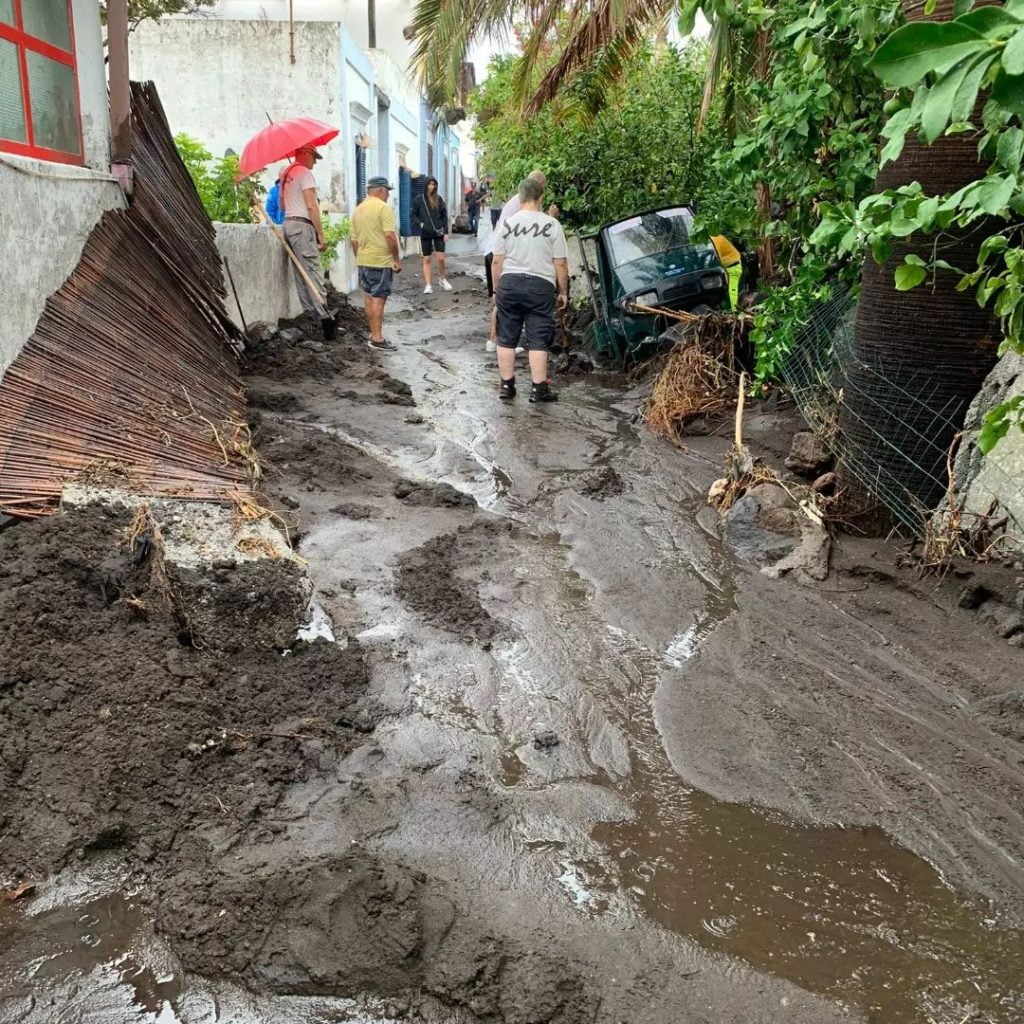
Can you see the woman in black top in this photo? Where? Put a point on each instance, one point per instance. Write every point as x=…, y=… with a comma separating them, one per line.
x=430, y=215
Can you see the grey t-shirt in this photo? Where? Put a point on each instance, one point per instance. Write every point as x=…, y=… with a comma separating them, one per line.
x=530, y=241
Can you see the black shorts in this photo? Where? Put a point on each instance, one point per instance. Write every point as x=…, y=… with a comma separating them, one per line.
x=488, y=261
x=526, y=302
x=430, y=244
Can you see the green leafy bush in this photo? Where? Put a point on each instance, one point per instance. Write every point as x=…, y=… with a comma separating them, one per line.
x=335, y=233
x=222, y=198
x=641, y=151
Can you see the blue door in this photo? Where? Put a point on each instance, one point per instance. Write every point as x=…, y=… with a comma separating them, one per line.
x=404, y=202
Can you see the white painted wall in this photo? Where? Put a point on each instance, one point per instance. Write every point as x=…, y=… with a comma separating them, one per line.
x=49, y=209
x=220, y=79
x=392, y=17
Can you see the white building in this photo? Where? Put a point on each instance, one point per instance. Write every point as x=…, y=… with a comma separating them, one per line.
x=343, y=61
x=55, y=179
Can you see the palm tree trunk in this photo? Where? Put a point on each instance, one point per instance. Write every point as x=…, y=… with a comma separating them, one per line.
x=919, y=356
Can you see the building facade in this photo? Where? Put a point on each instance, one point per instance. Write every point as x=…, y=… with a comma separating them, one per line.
x=54, y=153
x=343, y=62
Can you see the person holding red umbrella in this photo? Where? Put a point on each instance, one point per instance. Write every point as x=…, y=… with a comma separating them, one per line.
x=303, y=233
x=303, y=228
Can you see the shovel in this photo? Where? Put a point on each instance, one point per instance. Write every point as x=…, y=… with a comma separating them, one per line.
x=329, y=324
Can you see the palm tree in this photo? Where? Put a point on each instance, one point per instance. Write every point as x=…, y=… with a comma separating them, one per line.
x=919, y=356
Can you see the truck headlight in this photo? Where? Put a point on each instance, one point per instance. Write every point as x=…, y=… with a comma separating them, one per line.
x=646, y=299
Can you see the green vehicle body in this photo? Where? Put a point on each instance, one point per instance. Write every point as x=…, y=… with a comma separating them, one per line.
x=648, y=258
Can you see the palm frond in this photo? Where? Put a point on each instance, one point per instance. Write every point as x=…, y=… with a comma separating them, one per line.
x=443, y=32
x=615, y=25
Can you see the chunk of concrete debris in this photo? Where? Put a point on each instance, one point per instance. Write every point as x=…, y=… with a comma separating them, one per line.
x=808, y=456
x=545, y=740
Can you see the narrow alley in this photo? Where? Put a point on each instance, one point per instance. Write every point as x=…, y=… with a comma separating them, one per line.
x=553, y=753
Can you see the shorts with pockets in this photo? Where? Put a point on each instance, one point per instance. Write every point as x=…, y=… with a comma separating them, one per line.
x=431, y=243
x=376, y=281
x=526, y=303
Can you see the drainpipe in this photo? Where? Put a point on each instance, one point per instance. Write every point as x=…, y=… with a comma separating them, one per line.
x=371, y=24
x=291, y=30
x=120, y=95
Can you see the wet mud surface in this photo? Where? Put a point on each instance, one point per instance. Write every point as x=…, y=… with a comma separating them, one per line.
x=561, y=760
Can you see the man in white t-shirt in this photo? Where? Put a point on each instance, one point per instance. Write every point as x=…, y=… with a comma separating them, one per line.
x=303, y=228
x=510, y=209
x=531, y=273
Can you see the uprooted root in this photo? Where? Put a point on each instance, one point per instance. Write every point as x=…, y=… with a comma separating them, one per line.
x=697, y=380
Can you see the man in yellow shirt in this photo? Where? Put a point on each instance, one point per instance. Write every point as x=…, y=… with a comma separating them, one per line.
x=732, y=263
x=375, y=246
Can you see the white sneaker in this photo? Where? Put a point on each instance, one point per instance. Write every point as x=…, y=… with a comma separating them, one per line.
x=445, y=285
x=490, y=346
x=520, y=350
x=429, y=290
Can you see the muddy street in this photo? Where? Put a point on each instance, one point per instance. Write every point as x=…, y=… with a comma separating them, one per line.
x=549, y=752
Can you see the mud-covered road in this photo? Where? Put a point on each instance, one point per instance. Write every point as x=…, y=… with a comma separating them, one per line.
x=579, y=766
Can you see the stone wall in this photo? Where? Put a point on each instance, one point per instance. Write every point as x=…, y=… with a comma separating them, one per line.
x=994, y=483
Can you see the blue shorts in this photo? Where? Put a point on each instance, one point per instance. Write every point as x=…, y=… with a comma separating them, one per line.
x=376, y=281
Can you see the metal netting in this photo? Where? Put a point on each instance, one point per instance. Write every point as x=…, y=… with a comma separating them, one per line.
x=897, y=424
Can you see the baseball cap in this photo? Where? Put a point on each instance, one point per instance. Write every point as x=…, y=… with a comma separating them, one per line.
x=379, y=183
x=309, y=149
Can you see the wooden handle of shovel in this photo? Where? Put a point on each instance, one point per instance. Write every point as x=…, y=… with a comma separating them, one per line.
x=288, y=249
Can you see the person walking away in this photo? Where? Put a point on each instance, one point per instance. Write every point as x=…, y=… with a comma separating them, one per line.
x=511, y=207
x=531, y=268
x=732, y=262
x=375, y=246
x=430, y=214
x=303, y=228
x=473, y=209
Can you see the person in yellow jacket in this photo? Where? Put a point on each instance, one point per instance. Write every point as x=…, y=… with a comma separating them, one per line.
x=732, y=263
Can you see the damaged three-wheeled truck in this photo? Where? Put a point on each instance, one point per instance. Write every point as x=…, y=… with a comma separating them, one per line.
x=644, y=263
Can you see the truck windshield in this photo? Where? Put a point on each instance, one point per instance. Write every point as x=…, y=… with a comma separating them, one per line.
x=649, y=234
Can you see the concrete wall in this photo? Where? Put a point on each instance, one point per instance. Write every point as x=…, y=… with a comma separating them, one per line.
x=43, y=230
x=392, y=17
x=220, y=79
x=996, y=479
x=262, y=274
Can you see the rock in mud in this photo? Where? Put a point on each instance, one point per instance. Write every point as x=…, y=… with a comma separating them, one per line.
x=429, y=583
x=433, y=495
x=808, y=456
x=762, y=527
x=354, y=510
x=604, y=483
x=396, y=392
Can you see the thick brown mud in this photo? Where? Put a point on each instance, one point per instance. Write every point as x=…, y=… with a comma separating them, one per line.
x=566, y=761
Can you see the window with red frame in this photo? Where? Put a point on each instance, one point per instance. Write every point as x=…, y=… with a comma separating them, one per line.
x=39, y=114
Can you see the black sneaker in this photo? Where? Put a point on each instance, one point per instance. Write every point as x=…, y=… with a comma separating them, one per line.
x=507, y=391
x=543, y=393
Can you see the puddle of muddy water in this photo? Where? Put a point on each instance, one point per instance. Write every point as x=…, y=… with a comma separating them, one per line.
x=71, y=958
x=844, y=912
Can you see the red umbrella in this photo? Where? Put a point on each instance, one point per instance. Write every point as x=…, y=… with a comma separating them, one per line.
x=280, y=140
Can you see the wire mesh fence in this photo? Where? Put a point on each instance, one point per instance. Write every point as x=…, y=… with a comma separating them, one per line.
x=897, y=424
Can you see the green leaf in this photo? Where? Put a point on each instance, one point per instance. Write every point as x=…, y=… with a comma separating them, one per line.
x=935, y=115
x=909, y=275
x=914, y=260
x=995, y=428
x=914, y=50
x=1013, y=54
x=994, y=192
x=992, y=22
x=966, y=94
x=1010, y=149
